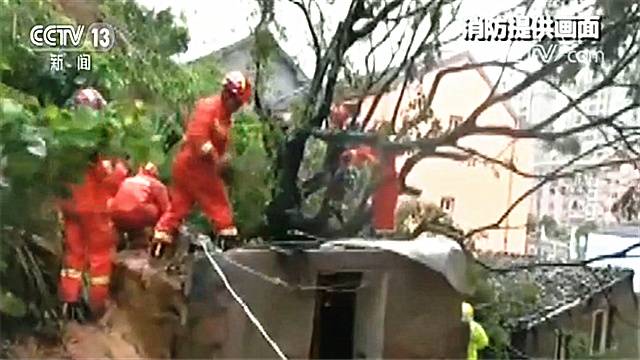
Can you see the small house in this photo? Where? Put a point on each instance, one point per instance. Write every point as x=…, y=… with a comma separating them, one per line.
x=572, y=312
x=342, y=299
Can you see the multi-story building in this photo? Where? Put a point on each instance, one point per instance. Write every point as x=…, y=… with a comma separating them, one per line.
x=474, y=193
x=587, y=196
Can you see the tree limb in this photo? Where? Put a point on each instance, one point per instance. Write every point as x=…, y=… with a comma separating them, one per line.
x=382, y=14
x=618, y=254
x=314, y=36
x=549, y=177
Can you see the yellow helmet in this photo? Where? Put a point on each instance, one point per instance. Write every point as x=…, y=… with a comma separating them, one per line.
x=467, y=311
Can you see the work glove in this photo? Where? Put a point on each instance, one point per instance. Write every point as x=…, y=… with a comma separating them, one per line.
x=227, y=239
x=159, y=244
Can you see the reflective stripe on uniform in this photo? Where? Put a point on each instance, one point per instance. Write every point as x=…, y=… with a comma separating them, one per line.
x=100, y=280
x=138, y=180
x=161, y=236
x=71, y=273
x=232, y=231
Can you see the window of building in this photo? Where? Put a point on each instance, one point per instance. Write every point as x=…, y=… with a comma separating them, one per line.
x=454, y=121
x=598, y=332
x=447, y=203
x=574, y=206
x=609, y=342
x=561, y=346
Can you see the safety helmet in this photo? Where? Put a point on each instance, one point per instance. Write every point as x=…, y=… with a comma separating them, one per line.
x=89, y=97
x=339, y=116
x=347, y=157
x=149, y=169
x=236, y=84
x=467, y=312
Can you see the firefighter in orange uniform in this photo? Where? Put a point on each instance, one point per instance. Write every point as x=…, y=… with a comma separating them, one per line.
x=139, y=203
x=385, y=197
x=90, y=238
x=198, y=167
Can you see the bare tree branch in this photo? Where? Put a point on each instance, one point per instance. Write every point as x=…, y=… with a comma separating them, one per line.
x=381, y=16
x=511, y=167
x=397, y=107
x=314, y=36
x=550, y=136
x=406, y=61
x=550, y=177
x=618, y=254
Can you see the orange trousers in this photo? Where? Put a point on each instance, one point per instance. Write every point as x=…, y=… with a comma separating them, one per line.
x=202, y=186
x=385, y=197
x=90, y=241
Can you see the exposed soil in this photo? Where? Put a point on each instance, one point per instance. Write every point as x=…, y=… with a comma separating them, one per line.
x=79, y=341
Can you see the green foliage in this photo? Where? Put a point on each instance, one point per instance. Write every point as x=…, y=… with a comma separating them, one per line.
x=11, y=305
x=252, y=186
x=499, y=301
x=312, y=163
x=578, y=345
x=45, y=145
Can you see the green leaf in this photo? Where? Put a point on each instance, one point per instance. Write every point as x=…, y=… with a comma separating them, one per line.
x=38, y=148
x=11, y=305
x=22, y=165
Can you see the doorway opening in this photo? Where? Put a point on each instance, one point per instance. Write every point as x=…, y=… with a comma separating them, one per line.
x=334, y=317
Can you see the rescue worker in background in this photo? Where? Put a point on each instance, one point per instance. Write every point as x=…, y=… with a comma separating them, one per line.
x=385, y=196
x=198, y=167
x=138, y=204
x=478, y=339
x=90, y=238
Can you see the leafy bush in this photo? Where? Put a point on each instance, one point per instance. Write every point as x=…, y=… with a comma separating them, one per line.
x=45, y=145
x=251, y=188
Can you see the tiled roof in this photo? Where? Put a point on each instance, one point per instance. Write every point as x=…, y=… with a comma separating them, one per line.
x=559, y=288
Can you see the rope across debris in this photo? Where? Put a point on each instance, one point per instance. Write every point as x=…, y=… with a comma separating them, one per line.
x=279, y=282
x=242, y=304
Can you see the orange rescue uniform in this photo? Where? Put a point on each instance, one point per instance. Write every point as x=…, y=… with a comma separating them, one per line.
x=90, y=238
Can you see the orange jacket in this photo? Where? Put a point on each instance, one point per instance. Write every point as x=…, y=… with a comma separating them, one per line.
x=211, y=121
x=101, y=182
x=140, y=190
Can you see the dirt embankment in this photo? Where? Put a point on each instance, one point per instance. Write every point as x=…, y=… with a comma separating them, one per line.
x=143, y=319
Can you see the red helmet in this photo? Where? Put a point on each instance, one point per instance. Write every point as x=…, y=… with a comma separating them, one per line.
x=339, y=116
x=347, y=157
x=149, y=169
x=236, y=84
x=89, y=97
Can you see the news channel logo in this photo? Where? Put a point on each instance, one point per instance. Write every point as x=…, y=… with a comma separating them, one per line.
x=65, y=37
